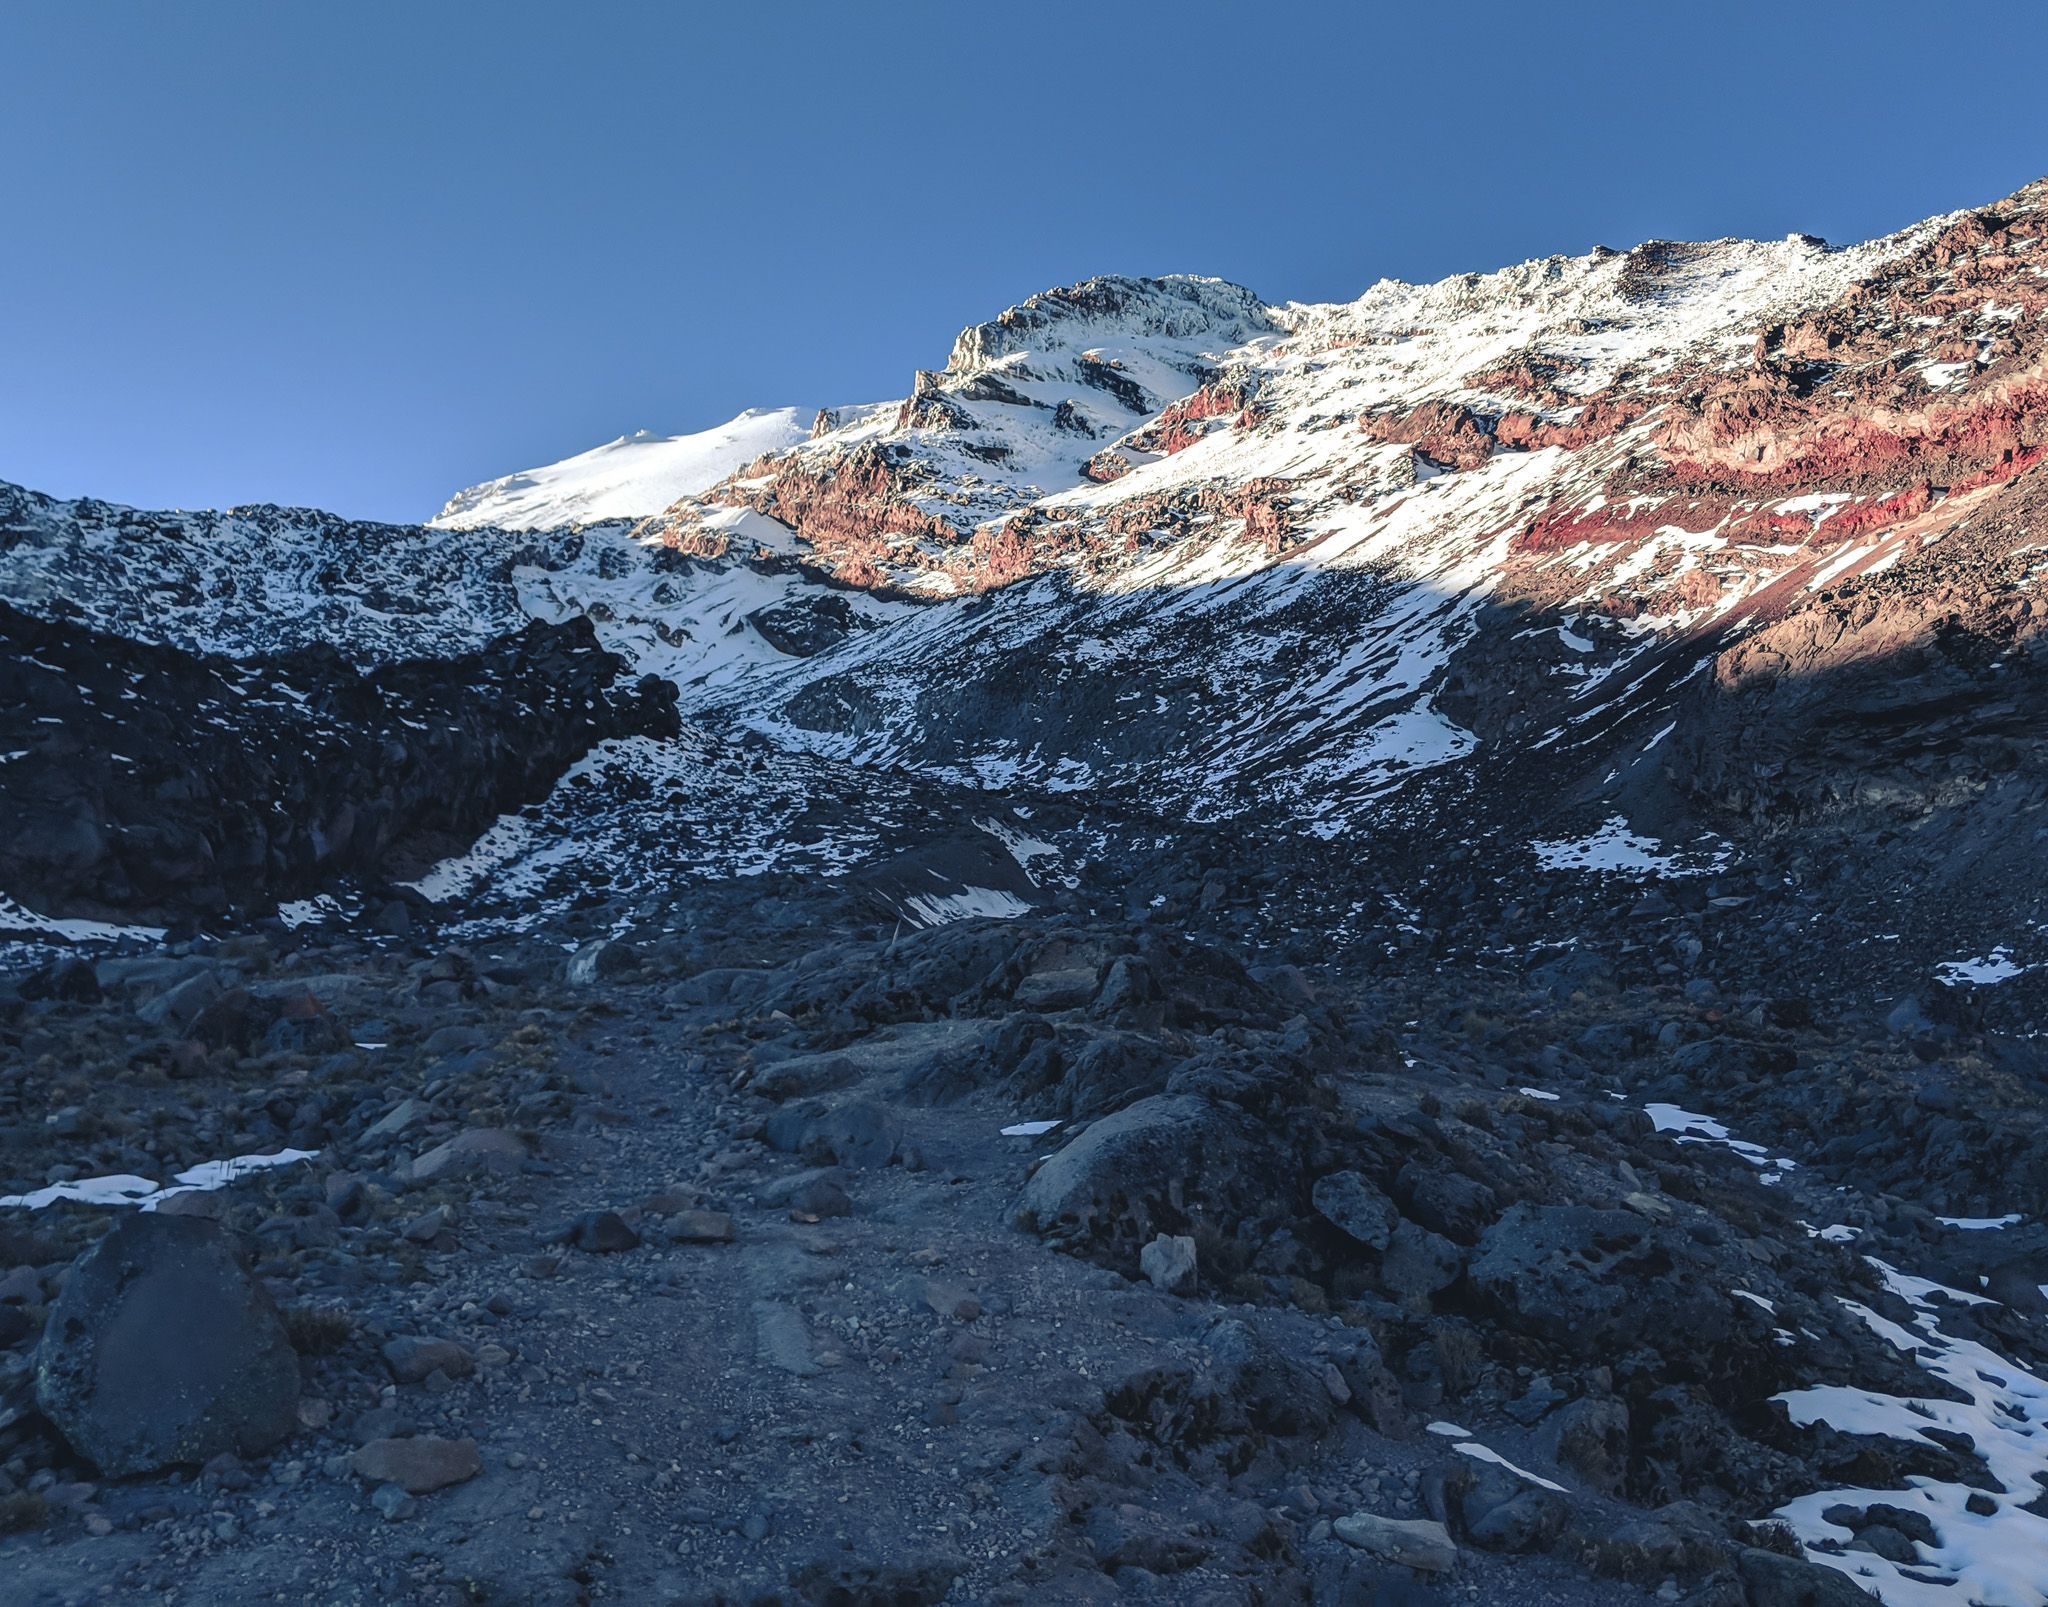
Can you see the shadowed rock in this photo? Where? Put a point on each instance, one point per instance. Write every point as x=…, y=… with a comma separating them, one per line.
x=163, y=1350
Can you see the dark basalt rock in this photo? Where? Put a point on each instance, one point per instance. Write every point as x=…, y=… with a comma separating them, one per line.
x=162, y=1350
x=1590, y=1280
x=1349, y=1201
x=1149, y=1168
x=805, y=626
x=159, y=785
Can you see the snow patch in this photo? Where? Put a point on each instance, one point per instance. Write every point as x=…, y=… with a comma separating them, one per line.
x=990, y=903
x=1614, y=848
x=15, y=917
x=1987, y=970
x=634, y=477
x=145, y=1193
x=2000, y=1556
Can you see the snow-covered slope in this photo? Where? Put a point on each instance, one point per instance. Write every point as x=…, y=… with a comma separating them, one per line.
x=630, y=478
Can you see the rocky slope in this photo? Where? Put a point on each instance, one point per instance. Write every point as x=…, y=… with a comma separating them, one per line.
x=1486, y=838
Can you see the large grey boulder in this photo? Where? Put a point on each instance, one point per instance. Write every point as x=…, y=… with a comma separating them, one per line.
x=1153, y=1167
x=1417, y=1543
x=162, y=1349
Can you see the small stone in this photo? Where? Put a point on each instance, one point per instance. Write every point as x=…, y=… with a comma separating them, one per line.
x=418, y=1466
x=603, y=1233
x=393, y=1502
x=702, y=1227
x=412, y=1357
x=1169, y=1261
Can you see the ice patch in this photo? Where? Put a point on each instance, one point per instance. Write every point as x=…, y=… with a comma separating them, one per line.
x=502, y=842
x=1484, y=1453
x=1029, y=1129
x=991, y=903
x=309, y=911
x=1689, y=1127
x=1023, y=847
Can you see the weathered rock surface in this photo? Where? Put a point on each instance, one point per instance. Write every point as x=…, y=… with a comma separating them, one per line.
x=163, y=1350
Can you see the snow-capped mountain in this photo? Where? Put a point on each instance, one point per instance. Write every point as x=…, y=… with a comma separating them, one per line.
x=1358, y=572
x=630, y=478
x=1586, y=695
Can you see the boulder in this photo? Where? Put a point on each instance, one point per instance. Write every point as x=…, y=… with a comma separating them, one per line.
x=915, y=1581
x=1147, y=1169
x=857, y=1133
x=1348, y=1201
x=1419, y=1263
x=1589, y=1439
x=478, y=1149
x=1169, y=1263
x=1503, y=1512
x=1594, y=1280
x=1775, y=1581
x=163, y=1350
x=603, y=1233
x=71, y=980
x=415, y=1357
x=1278, y=1393
x=602, y=961
x=1415, y=1543
x=180, y=1004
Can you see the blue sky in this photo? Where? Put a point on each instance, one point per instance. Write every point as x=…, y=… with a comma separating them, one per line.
x=357, y=256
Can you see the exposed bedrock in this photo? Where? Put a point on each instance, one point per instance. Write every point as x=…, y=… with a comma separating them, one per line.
x=152, y=784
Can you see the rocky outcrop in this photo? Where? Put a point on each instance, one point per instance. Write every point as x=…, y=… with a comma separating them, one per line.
x=852, y=507
x=148, y=783
x=1448, y=435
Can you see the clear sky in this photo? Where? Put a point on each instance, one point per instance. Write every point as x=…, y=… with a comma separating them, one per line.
x=360, y=255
